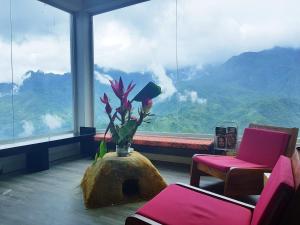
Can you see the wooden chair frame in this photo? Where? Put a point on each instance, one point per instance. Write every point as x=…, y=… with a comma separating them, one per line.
x=242, y=181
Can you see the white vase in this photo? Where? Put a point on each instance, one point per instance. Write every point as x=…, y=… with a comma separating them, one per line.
x=122, y=151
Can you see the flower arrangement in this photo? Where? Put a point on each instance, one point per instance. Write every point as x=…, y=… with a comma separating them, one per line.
x=122, y=123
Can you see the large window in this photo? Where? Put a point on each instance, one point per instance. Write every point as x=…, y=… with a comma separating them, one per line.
x=230, y=61
x=239, y=61
x=35, y=81
x=140, y=49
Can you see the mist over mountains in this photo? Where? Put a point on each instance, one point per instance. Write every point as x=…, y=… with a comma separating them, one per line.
x=260, y=87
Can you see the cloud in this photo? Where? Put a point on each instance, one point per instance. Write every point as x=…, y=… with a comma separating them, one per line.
x=165, y=82
x=191, y=96
x=133, y=38
x=41, y=39
x=130, y=41
x=103, y=78
x=209, y=32
x=28, y=128
x=52, y=121
x=46, y=53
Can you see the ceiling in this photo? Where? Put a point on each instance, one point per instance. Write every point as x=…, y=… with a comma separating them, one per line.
x=90, y=6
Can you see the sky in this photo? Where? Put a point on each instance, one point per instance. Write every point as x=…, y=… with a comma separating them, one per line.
x=40, y=39
x=143, y=37
x=209, y=32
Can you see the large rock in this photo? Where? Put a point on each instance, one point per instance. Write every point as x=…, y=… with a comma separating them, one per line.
x=116, y=180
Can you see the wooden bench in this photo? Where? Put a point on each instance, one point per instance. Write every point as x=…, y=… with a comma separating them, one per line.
x=169, y=145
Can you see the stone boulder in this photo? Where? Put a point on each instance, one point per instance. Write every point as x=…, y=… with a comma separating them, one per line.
x=115, y=180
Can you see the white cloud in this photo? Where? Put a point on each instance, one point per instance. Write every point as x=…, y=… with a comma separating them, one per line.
x=46, y=53
x=52, y=121
x=191, y=96
x=165, y=82
x=28, y=128
x=209, y=32
x=103, y=78
x=135, y=37
x=41, y=39
x=182, y=98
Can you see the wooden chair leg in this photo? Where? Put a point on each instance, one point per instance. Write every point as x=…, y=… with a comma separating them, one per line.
x=195, y=175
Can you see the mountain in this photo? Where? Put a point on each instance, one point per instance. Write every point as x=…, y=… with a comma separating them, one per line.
x=6, y=88
x=260, y=87
x=268, y=71
x=42, y=105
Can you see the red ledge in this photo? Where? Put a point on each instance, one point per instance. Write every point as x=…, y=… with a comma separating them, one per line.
x=166, y=141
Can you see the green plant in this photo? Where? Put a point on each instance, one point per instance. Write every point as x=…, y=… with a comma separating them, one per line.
x=122, y=124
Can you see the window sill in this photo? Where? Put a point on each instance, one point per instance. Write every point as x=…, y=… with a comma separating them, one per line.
x=167, y=141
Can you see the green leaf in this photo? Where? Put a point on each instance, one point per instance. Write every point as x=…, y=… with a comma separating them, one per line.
x=102, y=149
x=151, y=90
x=127, y=131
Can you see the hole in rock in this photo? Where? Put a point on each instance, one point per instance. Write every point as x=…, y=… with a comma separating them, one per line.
x=130, y=187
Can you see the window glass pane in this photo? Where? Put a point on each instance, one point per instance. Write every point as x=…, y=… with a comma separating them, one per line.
x=239, y=61
x=236, y=61
x=41, y=69
x=6, y=131
x=138, y=44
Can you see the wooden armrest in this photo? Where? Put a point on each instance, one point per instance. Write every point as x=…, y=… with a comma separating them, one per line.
x=211, y=155
x=245, y=171
x=137, y=219
x=246, y=174
x=221, y=197
x=239, y=181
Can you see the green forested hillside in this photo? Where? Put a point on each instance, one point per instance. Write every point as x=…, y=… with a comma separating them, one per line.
x=258, y=87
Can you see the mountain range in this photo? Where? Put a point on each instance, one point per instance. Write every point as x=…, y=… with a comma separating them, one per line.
x=260, y=87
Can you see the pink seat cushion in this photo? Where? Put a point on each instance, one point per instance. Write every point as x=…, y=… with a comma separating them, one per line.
x=177, y=205
x=276, y=194
x=224, y=163
x=262, y=146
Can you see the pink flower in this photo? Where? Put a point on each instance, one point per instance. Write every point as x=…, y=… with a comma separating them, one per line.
x=129, y=89
x=118, y=88
x=104, y=100
x=147, y=104
x=127, y=105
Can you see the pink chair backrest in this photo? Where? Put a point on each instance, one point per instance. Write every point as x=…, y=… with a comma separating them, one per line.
x=262, y=146
x=276, y=195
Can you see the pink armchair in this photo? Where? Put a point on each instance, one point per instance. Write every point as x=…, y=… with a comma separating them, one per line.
x=243, y=175
x=183, y=204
